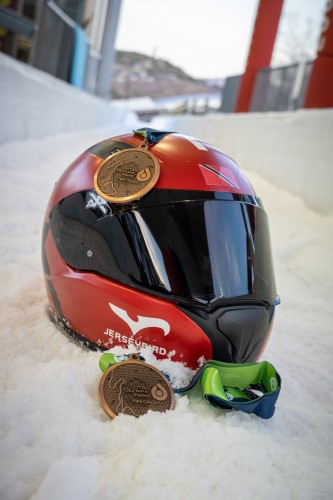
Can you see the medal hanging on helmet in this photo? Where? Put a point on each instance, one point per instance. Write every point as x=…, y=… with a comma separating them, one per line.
x=127, y=175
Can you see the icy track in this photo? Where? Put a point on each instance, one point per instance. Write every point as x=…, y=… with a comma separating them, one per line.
x=57, y=443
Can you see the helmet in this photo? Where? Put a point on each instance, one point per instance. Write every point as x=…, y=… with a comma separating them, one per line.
x=158, y=239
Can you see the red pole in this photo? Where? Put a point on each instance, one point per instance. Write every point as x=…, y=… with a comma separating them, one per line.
x=261, y=48
x=319, y=92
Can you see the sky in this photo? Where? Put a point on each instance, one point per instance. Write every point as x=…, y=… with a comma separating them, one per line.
x=210, y=38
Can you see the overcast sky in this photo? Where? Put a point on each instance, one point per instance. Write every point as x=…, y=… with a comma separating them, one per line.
x=210, y=38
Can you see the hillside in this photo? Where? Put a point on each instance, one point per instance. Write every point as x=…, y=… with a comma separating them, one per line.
x=138, y=75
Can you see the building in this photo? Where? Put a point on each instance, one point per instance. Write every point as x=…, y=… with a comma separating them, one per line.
x=70, y=39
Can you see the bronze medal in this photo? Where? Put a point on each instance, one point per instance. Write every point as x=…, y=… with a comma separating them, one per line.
x=133, y=387
x=127, y=175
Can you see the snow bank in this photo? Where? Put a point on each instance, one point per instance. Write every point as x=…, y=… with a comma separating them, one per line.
x=56, y=441
x=34, y=104
x=293, y=150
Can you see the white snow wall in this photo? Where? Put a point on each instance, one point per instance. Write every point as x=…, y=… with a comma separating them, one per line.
x=34, y=104
x=293, y=150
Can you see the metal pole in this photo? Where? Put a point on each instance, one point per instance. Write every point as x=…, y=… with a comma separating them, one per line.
x=104, y=78
x=320, y=88
x=261, y=49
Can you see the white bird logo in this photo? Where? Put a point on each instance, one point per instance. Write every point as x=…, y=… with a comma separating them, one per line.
x=142, y=321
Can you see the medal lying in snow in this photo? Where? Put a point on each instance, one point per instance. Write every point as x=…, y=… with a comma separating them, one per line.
x=133, y=387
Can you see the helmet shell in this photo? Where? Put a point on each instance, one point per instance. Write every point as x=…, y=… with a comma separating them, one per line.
x=182, y=159
x=104, y=311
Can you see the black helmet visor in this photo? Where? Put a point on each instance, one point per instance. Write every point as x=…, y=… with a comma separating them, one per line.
x=201, y=251
x=207, y=250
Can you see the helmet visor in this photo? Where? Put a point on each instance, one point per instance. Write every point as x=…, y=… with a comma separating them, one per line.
x=206, y=251
x=194, y=251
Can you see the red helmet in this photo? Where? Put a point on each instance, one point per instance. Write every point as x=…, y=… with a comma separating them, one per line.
x=160, y=241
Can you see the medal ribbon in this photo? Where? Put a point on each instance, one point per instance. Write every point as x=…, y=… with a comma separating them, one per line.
x=252, y=388
x=151, y=135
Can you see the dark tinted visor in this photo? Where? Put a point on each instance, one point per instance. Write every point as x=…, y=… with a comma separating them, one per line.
x=198, y=251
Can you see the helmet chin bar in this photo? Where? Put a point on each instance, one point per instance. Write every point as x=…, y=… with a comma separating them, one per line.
x=237, y=333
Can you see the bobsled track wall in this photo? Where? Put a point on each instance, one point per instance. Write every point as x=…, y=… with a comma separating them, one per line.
x=293, y=150
x=34, y=104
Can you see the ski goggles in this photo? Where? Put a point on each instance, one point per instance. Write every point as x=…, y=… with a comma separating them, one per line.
x=251, y=388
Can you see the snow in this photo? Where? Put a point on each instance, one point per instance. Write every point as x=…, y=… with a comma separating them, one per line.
x=56, y=441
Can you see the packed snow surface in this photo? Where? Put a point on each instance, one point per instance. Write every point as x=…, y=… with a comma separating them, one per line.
x=56, y=441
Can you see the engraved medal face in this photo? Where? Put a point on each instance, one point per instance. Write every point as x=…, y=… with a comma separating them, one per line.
x=133, y=388
x=127, y=175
